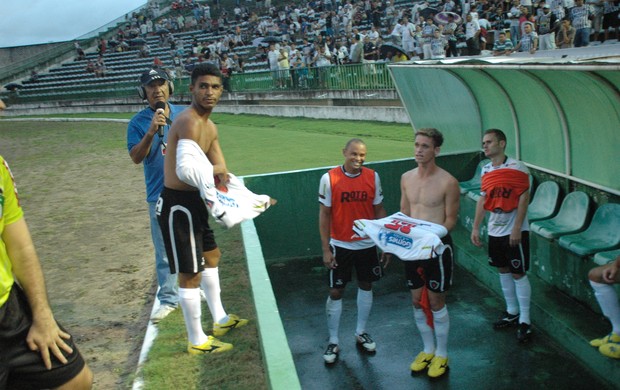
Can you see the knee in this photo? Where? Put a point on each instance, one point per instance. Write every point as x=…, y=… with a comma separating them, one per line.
x=366, y=286
x=335, y=294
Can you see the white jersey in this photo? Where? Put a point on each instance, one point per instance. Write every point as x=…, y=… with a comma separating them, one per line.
x=500, y=224
x=230, y=204
x=238, y=203
x=408, y=238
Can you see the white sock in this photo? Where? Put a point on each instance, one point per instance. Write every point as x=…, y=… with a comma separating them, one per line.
x=189, y=298
x=210, y=283
x=364, y=304
x=508, y=288
x=441, y=320
x=608, y=300
x=333, y=310
x=427, y=333
x=524, y=296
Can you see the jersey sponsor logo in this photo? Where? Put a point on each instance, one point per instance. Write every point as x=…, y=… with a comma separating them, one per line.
x=500, y=192
x=227, y=201
x=353, y=196
x=393, y=238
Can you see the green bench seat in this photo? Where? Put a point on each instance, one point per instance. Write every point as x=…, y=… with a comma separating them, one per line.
x=473, y=183
x=603, y=233
x=545, y=201
x=571, y=218
x=602, y=258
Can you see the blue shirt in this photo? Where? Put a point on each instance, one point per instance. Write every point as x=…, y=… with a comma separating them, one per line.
x=153, y=163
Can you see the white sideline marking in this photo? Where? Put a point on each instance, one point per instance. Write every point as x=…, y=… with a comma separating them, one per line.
x=149, y=338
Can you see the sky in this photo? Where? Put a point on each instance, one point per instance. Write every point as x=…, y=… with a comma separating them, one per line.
x=27, y=22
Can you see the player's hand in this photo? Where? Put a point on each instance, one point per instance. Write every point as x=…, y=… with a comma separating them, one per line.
x=329, y=261
x=515, y=237
x=475, y=238
x=45, y=336
x=609, y=274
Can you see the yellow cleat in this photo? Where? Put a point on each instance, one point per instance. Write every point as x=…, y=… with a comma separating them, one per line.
x=234, y=321
x=611, y=350
x=610, y=338
x=421, y=361
x=438, y=367
x=212, y=345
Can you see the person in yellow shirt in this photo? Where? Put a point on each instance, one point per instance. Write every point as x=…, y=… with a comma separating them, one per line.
x=35, y=351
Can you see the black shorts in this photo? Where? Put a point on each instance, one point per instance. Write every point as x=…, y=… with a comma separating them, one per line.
x=516, y=258
x=365, y=261
x=21, y=368
x=184, y=221
x=611, y=20
x=436, y=272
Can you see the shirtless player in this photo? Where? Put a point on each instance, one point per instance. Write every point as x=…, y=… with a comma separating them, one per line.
x=183, y=215
x=430, y=193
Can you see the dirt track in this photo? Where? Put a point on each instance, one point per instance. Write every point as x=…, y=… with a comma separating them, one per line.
x=85, y=207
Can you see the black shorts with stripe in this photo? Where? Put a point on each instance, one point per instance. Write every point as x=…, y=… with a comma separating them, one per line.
x=435, y=273
x=184, y=221
x=516, y=258
x=21, y=368
x=365, y=262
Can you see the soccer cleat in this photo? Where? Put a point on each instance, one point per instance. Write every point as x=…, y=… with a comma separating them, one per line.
x=611, y=350
x=610, y=338
x=506, y=320
x=365, y=342
x=331, y=353
x=234, y=321
x=524, y=332
x=438, y=367
x=421, y=361
x=212, y=345
x=161, y=313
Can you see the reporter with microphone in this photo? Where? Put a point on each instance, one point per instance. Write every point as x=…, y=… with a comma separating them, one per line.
x=147, y=135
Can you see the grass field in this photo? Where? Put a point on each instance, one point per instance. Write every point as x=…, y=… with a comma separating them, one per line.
x=252, y=145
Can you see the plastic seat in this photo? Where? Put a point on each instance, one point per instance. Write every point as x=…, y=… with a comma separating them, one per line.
x=571, y=218
x=602, y=234
x=474, y=182
x=602, y=258
x=545, y=201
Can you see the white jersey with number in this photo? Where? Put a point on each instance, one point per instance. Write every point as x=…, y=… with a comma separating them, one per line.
x=406, y=237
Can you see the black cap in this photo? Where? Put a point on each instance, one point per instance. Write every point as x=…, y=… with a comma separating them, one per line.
x=153, y=74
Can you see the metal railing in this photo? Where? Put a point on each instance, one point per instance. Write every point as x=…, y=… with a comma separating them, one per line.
x=336, y=77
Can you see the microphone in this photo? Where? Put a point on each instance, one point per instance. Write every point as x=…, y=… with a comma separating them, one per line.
x=158, y=105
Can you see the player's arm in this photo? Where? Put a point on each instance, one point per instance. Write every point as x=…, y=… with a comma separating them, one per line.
x=216, y=155
x=515, y=235
x=479, y=216
x=405, y=206
x=325, y=219
x=44, y=335
x=452, y=201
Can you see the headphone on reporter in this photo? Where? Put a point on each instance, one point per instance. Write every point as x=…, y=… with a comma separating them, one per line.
x=150, y=75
